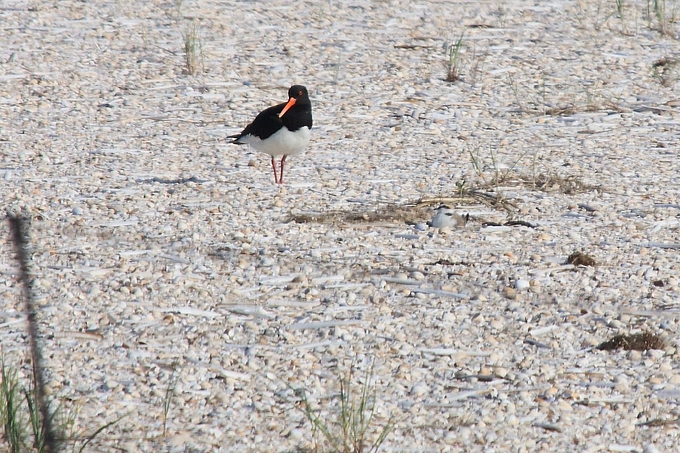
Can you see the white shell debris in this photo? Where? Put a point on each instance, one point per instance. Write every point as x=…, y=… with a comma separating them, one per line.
x=521, y=284
x=650, y=448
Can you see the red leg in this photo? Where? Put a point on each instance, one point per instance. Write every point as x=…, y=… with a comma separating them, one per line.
x=283, y=161
x=276, y=178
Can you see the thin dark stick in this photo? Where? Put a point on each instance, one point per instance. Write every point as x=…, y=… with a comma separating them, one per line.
x=18, y=226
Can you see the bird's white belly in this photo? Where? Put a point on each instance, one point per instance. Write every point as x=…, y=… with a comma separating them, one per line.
x=282, y=143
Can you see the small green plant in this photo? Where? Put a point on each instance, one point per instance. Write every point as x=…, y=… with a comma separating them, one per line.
x=60, y=420
x=478, y=61
x=500, y=175
x=169, y=393
x=10, y=415
x=621, y=11
x=178, y=9
x=619, y=8
x=16, y=418
x=453, y=63
x=49, y=426
x=515, y=87
x=193, y=48
x=461, y=188
x=656, y=9
x=477, y=163
x=527, y=100
x=589, y=18
x=336, y=75
x=352, y=431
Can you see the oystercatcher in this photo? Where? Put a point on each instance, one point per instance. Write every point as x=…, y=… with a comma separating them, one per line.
x=281, y=130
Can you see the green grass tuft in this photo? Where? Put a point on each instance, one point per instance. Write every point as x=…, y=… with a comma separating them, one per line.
x=193, y=49
x=453, y=64
x=169, y=393
x=352, y=430
x=10, y=415
x=19, y=411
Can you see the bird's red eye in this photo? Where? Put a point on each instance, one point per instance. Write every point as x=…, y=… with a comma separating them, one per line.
x=299, y=93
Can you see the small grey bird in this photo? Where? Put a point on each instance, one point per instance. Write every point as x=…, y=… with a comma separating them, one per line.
x=448, y=218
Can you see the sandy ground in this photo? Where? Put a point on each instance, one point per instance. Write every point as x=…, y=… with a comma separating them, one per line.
x=158, y=246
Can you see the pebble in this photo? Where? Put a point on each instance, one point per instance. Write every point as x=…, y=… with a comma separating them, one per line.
x=650, y=448
x=419, y=389
x=634, y=356
x=497, y=324
x=509, y=293
x=296, y=434
x=521, y=284
x=655, y=380
x=615, y=324
x=622, y=384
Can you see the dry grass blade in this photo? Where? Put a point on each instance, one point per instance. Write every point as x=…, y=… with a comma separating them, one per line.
x=561, y=111
x=658, y=422
x=472, y=196
x=548, y=427
x=91, y=437
x=568, y=185
x=393, y=213
x=410, y=212
x=585, y=108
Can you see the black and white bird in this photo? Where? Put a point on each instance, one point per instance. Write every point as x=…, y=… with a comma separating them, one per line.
x=281, y=130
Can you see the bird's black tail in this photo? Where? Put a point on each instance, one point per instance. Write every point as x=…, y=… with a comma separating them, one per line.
x=235, y=138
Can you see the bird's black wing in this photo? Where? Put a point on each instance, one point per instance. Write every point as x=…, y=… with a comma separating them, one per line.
x=265, y=124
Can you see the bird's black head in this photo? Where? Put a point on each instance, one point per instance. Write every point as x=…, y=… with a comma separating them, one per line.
x=298, y=101
x=297, y=92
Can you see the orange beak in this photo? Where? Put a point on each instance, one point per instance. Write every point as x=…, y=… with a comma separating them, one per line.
x=291, y=102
